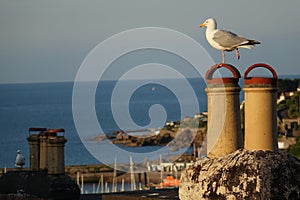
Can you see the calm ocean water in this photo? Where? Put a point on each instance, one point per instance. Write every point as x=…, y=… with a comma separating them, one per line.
x=50, y=105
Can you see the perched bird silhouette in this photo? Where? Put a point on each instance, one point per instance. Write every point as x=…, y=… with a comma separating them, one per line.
x=20, y=160
x=225, y=40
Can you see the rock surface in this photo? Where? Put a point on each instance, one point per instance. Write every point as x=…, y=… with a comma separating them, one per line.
x=243, y=175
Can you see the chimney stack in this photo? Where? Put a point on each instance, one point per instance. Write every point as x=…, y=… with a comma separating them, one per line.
x=56, y=144
x=224, y=125
x=260, y=110
x=47, y=150
x=34, y=148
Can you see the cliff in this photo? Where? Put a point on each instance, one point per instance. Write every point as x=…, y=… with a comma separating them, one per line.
x=243, y=175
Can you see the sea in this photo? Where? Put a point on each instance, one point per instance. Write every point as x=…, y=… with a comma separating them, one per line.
x=51, y=105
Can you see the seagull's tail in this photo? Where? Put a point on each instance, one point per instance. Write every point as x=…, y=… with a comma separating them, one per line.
x=249, y=44
x=253, y=42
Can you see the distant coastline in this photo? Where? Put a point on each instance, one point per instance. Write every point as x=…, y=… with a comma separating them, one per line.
x=281, y=76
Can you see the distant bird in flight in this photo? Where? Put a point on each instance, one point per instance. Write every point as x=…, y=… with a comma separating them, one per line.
x=225, y=40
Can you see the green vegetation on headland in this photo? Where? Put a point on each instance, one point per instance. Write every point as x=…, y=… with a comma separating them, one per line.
x=289, y=98
x=289, y=88
x=295, y=149
x=289, y=105
x=293, y=104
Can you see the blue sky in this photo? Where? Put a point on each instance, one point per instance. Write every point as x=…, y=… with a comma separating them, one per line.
x=46, y=41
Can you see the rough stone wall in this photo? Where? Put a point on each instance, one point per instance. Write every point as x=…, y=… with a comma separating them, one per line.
x=243, y=175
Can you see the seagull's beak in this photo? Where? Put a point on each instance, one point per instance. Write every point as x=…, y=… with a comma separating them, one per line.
x=201, y=25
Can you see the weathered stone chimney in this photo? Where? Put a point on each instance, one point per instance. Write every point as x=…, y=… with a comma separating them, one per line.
x=47, y=150
x=224, y=125
x=43, y=151
x=34, y=148
x=56, y=158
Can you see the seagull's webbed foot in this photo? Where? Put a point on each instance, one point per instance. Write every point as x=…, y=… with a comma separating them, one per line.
x=237, y=54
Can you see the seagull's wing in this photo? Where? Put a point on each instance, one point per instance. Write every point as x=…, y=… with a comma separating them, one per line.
x=229, y=40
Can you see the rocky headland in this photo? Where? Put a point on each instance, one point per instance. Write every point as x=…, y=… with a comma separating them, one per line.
x=176, y=134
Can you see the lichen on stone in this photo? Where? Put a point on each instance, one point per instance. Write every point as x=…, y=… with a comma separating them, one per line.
x=243, y=175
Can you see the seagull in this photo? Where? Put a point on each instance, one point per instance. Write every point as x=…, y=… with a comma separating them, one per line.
x=225, y=40
x=20, y=160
